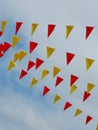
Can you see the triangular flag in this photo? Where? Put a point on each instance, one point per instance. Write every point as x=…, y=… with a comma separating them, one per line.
x=18, y=25
x=45, y=72
x=89, y=29
x=33, y=28
x=32, y=46
x=34, y=81
x=56, y=99
x=73, y=88
x=68, y=30
x=39, y=62
x=90, y=86
x=6, y=46
x=56, y=70
x=67, y=105
x=46, y=90
x=88, y=119
x=11, y=65
x=97, y=127
x=30, y=65
x=1, y=33
x=50, y=51
x=22, y=74
x=3, y=25
x=89, y=63
x=78, y=112
x=58, y=80
x=73, y=79
x=69, y=57
x=51, y=28
x=22, y=55
x=16, y=56
x=86, y=95
x=15, y=40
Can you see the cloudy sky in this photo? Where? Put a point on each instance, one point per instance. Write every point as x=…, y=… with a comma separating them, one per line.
x=22, y=108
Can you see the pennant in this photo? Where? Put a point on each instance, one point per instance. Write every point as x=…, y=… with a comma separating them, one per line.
x=56, y=99
x=34, y=82
x=72, y=89
x=39, y=62
x=90, y=86
x=56, y=70
x=22, y=55
x=32, y=46
x=34, y=26
x=89, y=63
x=88, y=119
x=46, y=90
x=16, y=56
x=69, y=57
x=73, y=79
x=67, y=105
x=18, y=25
x=15, y=40
x=1, y=33
x=97, y=127
x=89, y=29
x=86, y=95
x=6, y=46
x=51, y=28
x=11, y=65
x=50, y=51
x=23, y=73
x=58, y=80
x=44, y=73
x=3, y=25
x=68, y=30
x=78, y=112
x=30, y=65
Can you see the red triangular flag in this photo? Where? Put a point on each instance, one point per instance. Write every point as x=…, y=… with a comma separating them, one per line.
x=23, y=73
x=73, y=79
x=30, y=65
x=89, y=29
x=67, y=105
x=6, y=46
x=58, y=80
x=46, y=90
x=38, y=63
x=32, y=45
x=69, y=57
x=88, y=119
x=18, y=25
x=51, y=27
x=86, y=95
x=1, y=33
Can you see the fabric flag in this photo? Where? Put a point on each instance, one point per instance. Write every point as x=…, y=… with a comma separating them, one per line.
x=39, y=62
x=11, y=65
x=51, y=28
x=22, y=55
x=6, y=46
x=73, y=79
x=45, y=72
x=18, y=25
x=22, y=74
x=50, y=51
x=78, y=112
x=46, y=90
x=89, y=29
x=72, y=88
x=68, y=30
x=89, y=63
x=16, y=56
x=32, y=46
x=15, y=40
x=3, y=25
x=34, y=82
x=86, y=95
x=56, y=70
x=90, y=86
x=67, y=105
x=56, y=99
x=97, y=127
x=88, y=119
x=69, y=57
x=30, y=65
x=58, y=80
x=33, y=28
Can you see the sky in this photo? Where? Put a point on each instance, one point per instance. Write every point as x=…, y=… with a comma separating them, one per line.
x=23, y=108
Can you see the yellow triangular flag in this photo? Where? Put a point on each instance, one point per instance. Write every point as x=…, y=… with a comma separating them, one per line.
x=56, y=99
x=11, y=65
x=22, y=55
x=90, y=86
x=50, y=51
x=3, y=25
x=78, y=112
x=16, y=56
x=34, y=26
x=73, y=88
x=97, y=127
x=15, y=40
x=34, y=81
x=89, y=62
x=68, y=30
x=56, y=70
x=44, y=73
